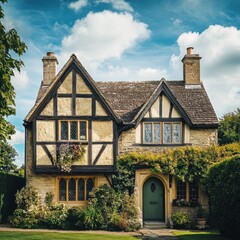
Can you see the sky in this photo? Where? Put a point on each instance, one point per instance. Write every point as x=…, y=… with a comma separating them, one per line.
x=128, y=40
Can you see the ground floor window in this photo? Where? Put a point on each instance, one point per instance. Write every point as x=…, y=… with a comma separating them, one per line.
x=74, y=189
x=186, y=193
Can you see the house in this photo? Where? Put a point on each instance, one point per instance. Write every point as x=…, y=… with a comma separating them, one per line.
x=110, y=118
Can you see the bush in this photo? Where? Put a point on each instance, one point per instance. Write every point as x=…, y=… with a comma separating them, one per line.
x=180, y=220
x=223, y=187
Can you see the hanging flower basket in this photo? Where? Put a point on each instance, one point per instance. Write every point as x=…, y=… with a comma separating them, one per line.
x=67, y=154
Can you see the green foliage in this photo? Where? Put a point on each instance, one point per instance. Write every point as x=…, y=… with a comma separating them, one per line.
x=185, y=163
x=1, y=205
x=223, y=187
x=67, y=155
x=229, y=129
x=7, y=157
x=27, y=198
x=9, y=184
x=10, y=44
x=180, y=220
x=49, y=199
x=201, y=212
x=75, y=218
x=110, y=210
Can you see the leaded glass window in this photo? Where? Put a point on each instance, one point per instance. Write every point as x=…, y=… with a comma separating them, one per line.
x=156, y=132
x=167, y=133
x=83, y=130
x=148, y=132
x=72, y=189
x=176, y=132
x=64, y=130
x=62, y=189
x=90, y=185
x=73, y=130
x=193, y=192
x=81, y=189
x=181, y=190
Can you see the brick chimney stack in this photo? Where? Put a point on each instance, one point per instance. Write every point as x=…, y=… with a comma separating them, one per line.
x=49, y=68
x=191, y=68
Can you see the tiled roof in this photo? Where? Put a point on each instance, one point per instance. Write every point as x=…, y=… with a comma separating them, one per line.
x=127, y=99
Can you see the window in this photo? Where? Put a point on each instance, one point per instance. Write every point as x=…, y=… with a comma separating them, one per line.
x=74, y=189
x=162, y=133
x=181, y=190
x=73, y=130
x=193, y=192
x=187, y=191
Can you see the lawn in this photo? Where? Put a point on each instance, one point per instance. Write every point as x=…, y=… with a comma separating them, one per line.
x=59, y=236
x=198, y=235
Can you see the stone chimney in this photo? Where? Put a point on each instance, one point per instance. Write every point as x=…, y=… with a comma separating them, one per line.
x=49, y=68
x=191, y=68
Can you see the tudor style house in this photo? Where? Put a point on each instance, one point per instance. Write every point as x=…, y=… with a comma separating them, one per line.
x=110, y=118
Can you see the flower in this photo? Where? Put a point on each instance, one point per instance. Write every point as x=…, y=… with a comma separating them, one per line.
x=67, y=154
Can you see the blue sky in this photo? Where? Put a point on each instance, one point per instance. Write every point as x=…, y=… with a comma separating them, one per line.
x=130, y=40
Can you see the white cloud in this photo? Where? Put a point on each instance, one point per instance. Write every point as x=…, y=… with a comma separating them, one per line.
x=118, y=4
x=219, y=48
x=103, y=35
x=20, y=79
x=151, y=74
x=17, y=138
x=76, y=6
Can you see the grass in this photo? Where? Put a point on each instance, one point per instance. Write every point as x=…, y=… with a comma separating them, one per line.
x=4, y=235
x=198, y=235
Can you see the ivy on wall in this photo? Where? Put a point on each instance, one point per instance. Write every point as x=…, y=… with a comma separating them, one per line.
x=185, y=163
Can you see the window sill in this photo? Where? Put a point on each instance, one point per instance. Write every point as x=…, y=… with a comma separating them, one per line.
x=162, y=145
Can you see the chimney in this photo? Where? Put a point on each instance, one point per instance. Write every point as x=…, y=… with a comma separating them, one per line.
x=191, y=68
x=49, y=68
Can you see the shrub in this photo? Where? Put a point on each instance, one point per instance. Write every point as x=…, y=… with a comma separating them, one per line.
x=75, y=218
x=223, y=187
x=27, y=198
x=1, y=205
x=180, y=220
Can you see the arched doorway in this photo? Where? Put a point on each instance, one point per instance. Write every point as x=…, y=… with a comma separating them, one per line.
x=153, y=200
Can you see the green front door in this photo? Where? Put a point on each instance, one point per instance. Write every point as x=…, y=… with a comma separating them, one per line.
x=153, y=200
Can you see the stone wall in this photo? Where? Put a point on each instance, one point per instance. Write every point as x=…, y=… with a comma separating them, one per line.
x=203, y=137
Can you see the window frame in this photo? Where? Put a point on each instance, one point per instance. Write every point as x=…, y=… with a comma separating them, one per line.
x=187, y=190
x=162, y=142
x=67, y=179
x=69, y=131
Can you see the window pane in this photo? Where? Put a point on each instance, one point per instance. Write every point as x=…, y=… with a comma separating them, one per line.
x=193, y=192
x=83, y=131
x=156, y=132
x=73, y=127
x=148, y=132
x=167, y=133
x=64, y=130
x=181, y=190
x=62, y=189
x=81, y=189
x=90, y=185
x=72, y=189
x=176, y=132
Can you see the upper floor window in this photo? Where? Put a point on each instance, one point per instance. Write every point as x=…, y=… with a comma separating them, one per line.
x=73, y=130
x=162, y=133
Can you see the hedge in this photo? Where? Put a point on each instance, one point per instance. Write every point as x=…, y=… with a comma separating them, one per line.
x=223, y=186
x=9, y=185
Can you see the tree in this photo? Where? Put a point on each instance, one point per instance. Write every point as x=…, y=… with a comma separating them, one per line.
x=7, y=157
x=10, y=44
x=229, y=130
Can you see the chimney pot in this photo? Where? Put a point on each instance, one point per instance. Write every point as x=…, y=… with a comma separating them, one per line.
x=189, y=50
x=50, y=54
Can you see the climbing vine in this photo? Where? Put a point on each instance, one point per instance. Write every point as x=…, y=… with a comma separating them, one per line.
x=185, y=163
